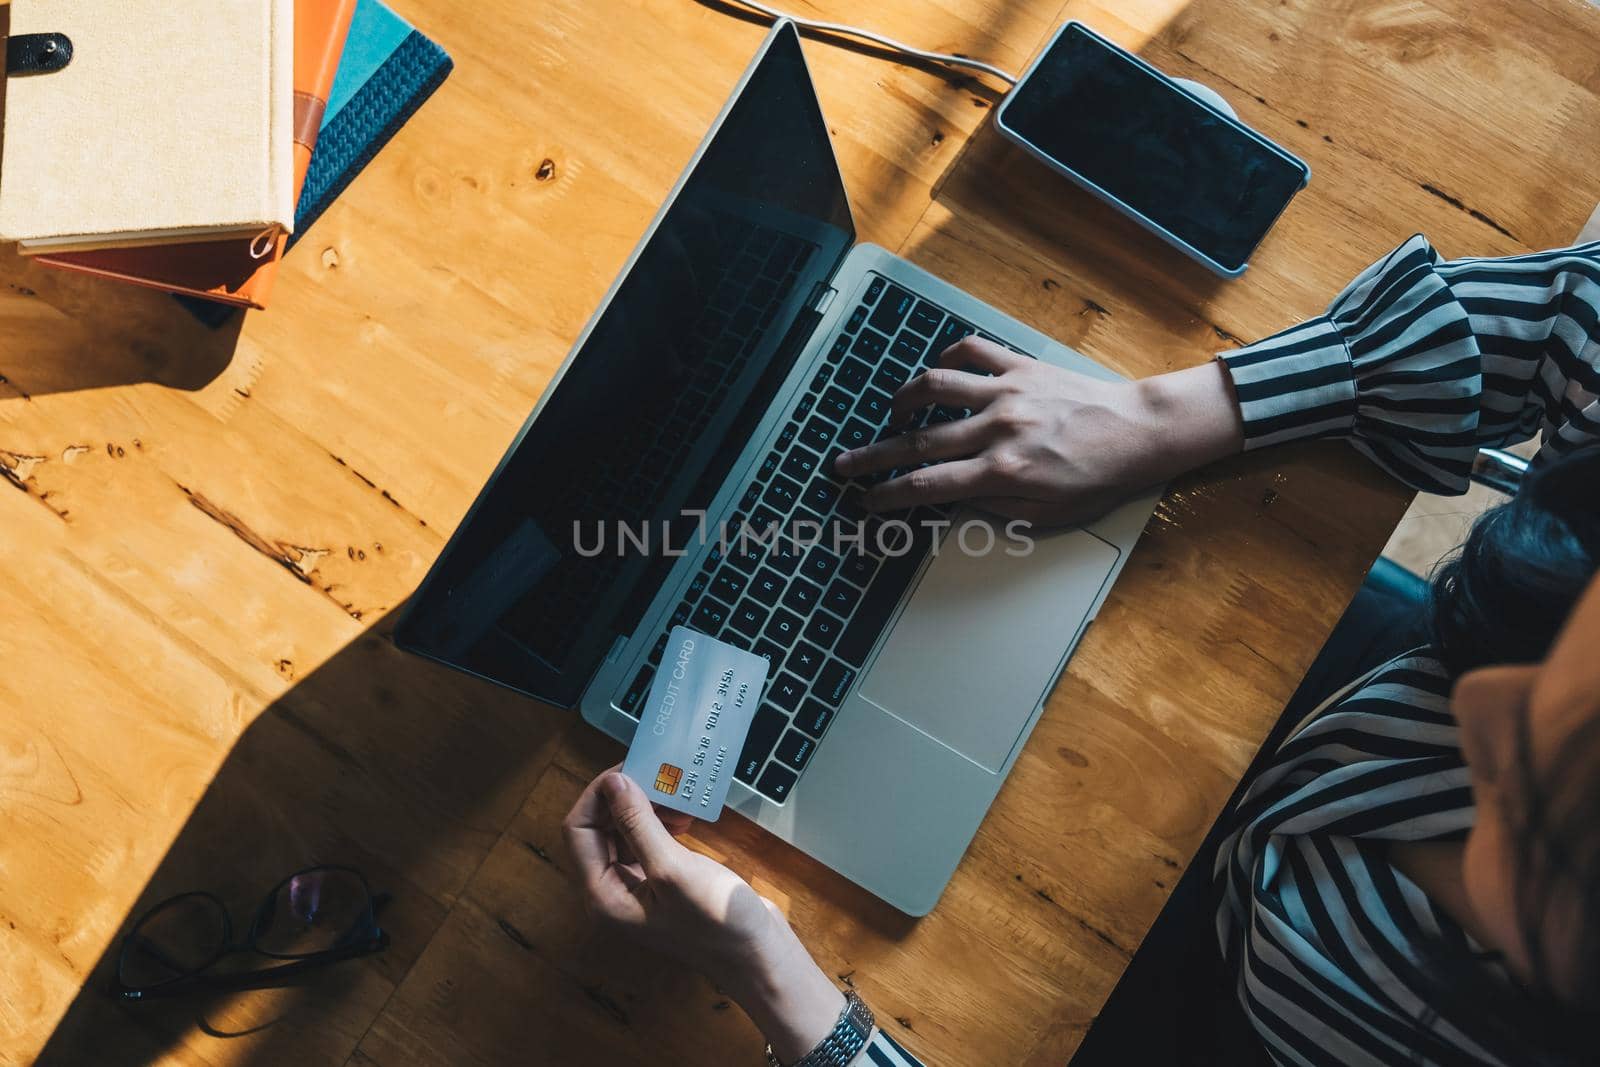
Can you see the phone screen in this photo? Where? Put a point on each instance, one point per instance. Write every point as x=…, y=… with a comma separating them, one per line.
x=1152, y=146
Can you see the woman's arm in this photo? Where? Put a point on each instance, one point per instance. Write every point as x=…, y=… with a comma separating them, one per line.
x=1419, y=363
x=636, y=877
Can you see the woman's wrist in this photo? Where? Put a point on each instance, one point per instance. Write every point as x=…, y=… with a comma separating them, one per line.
x=1192, y=418
x=793, y=1003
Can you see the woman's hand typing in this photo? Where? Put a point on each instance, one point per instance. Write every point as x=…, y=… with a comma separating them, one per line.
x=1044, y=444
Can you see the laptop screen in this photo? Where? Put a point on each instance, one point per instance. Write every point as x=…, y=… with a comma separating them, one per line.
x=653, y=408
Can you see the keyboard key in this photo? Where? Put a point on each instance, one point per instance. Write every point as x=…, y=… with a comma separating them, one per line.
x=786, y=436
x=785, y=556
x=892, y=374
x=748, y=619
x=820, y=380
x=925, y=318
x=709, y=616
x=771, y=653
x=697, y=585
x=680, y=614
x=767, y=587
x=805, y=660
x=728, y=585
x=819, y=564
x=783, y=492
x=857, y=317
x=874, y=290
x=807, y=526
x=783, y=628
x=895, y=538
x=776, y=783
x=874, y=406
x=751, y=495
x=841, y=345
x=870, y=346
x=635, y=693
x=954, y=330
x=794, y=750
x=661, y=647
x=786, y=691
x=891, y=310
x=736, y=640
x=851, y=510
x=855, y=434
x=765, y=729
x=858, y=568
x=761, y=520
x=813, y=717
x=834, y=682
x=801, y=596
x=841, y=597
x=872, y=615
x=908, y=348
x=803, y=408
x=817, y=436
x=820, y=495
x=745, y=553
x=768, y=465
x=823, y=629
x=800, y=464
x=835, y=404
x=853, y=374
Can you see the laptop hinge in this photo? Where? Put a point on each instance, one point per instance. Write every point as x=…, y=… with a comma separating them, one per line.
x=821, y=296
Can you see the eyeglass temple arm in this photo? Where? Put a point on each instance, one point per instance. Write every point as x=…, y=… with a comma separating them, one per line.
x=255, y=979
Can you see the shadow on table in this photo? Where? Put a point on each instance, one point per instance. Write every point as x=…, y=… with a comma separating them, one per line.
x=68, y=331
x=378, y=760
x=409, y=772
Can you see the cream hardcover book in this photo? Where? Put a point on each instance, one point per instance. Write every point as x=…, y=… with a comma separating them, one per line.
x=170, y=122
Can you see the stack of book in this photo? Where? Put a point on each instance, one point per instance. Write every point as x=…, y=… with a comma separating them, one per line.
x=183, y=147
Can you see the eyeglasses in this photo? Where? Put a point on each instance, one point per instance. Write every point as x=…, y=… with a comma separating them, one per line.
x=312, y=918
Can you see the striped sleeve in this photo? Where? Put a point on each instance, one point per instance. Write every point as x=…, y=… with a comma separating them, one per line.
x=882, y=1051
x=1421, y=362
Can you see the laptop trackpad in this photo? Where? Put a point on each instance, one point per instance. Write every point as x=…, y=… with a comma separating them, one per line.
x=983, y=637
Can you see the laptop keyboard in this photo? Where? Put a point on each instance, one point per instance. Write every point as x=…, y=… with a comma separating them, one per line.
x=813, y=612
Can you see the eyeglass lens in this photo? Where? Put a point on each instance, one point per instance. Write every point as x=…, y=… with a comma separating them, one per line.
x=313, y=912
x=179, y=938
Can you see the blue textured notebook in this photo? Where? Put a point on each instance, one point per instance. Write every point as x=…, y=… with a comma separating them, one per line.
x=387, y=70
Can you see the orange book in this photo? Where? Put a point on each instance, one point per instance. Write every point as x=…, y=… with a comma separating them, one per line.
x=235, y=271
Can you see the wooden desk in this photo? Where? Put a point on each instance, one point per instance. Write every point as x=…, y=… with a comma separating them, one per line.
x=207, y=536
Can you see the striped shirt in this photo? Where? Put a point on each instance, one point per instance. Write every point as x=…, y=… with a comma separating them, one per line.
x=1418, y=363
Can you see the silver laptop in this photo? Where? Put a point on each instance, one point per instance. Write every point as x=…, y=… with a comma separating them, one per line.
x=747, y=342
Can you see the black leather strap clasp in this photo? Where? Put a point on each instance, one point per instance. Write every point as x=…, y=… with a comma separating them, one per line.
x=37, y=53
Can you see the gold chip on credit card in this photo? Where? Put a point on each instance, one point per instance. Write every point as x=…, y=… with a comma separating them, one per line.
x=667, y=778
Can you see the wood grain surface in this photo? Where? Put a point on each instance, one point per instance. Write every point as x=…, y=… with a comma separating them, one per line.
x=207, y=534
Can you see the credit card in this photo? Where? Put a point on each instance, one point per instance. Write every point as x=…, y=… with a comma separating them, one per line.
x=693, y=724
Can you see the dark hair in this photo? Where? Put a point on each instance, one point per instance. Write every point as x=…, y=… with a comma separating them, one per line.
x=1503, y=597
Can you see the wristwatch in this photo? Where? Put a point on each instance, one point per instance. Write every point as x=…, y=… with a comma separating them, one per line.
x=847, y=1037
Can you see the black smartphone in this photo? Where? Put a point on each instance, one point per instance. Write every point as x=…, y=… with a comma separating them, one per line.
x=1166, y=152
